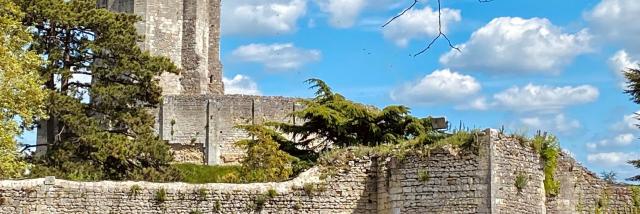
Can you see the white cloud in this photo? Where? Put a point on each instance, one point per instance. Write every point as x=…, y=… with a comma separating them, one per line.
x=544, y=98
x=620, y=62
x=627, y=124
x=614, y=20
x=438, y=87
x=342, y=13
x=611, y=159
x=479, y=103
x=513, y=44
x=266, y=17
x=559, y=123
x=620, y=140
x=276, y=56
x=419, y=24
x=240, y=84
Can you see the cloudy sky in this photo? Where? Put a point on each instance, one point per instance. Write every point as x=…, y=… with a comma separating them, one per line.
x=524, y=65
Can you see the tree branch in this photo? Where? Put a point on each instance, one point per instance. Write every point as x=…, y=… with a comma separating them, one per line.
x=440, y=33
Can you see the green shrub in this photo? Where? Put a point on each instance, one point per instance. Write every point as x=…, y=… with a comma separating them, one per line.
x=309, y=188
x=202, y=194
x=423, y=175
x=635, y=196
x=195, y=212
x=272, y=193
x=521, y=181
x=199, y=174
x=297, y=206
x=161, y=195
x=217, y=206
x=135, y=190
x=548, y=148
x=260, y=201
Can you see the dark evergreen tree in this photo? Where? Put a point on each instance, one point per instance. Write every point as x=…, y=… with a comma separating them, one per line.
x=633, y=89
x=98, y=129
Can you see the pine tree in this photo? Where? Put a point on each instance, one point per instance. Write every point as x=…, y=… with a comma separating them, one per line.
x=21, y=98
x=100, y=85
x=633, y=89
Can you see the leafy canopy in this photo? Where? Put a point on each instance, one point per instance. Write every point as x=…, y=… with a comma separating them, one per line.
x=100, y=86
x=21, y=98
x=278, y=150
x=332, y=120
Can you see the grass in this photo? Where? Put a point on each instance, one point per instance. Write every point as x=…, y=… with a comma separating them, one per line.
x=521, y=181
x=161, y=195
x=200, y=174
x=135, y=190
x=423, y=175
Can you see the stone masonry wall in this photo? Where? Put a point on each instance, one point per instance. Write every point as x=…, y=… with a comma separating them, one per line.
x=444, y=181
x=206, y=123
x=581, y=191
x=343, y=193
x=185, y=31
x=456, y=181
x=509, y=159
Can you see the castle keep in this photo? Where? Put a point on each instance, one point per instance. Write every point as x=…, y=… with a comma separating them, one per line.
x=196, y=118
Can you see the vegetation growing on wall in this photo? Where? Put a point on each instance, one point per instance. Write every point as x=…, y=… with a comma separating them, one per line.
x=635, y=196
x=521, y=181
x=548, y=148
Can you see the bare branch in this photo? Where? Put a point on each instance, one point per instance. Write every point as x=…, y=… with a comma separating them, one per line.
x=440, y=33
x=402, y=13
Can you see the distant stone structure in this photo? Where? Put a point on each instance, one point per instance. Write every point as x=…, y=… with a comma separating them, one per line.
x=196, y=118
x=442, y=181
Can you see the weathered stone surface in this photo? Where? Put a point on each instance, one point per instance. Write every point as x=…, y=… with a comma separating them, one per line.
x=480, y=181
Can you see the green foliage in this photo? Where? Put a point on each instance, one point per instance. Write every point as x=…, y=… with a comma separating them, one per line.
x=309, y=188
x=161, y=195
x=259, y=202
x=333, y=119
x=264, y=161
x=633, y=89
x=202, y=194
x=195, y=212
x=135, y=190
x=102, y=127
x=548, y=148
x=423, y=175
x=21, y=98
x=217, y=206
x=602, y=203
x=521, y=181
x=200, y=174
x=297, y=206
x=272, y=193
x=635, y=196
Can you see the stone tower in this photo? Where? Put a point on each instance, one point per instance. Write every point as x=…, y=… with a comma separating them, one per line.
x=186, y=31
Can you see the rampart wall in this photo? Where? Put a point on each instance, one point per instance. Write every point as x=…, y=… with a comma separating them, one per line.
x=441, y=181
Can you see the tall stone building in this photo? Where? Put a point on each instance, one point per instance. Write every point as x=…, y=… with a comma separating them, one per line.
x=186, y=31
x=195, y=118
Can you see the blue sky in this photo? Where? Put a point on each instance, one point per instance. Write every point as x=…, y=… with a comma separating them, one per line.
x=524, y=65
